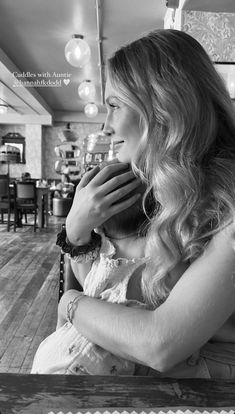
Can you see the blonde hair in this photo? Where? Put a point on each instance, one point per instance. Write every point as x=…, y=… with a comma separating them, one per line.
x=187, y=150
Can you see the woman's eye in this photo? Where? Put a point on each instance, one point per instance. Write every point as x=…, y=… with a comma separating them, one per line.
x=113, y=105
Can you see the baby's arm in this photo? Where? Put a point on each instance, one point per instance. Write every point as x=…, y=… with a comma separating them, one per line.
x=62, y=307
x=80, y=272
x=74, y=277
x=71, y=278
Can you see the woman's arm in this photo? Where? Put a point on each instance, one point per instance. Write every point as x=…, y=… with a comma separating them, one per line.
x=199, y=304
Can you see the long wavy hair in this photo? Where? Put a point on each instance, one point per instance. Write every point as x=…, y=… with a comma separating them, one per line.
x=187, y=149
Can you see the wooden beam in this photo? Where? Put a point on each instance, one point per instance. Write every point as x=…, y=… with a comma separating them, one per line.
x=28, y=96
x=61, y=116
x=18, y=119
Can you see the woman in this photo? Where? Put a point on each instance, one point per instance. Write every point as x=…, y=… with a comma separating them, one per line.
x=175, y=119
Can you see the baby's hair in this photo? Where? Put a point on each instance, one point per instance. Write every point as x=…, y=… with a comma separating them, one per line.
x=137, y=217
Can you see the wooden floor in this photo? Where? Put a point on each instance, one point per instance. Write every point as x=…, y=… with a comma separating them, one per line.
x=29, y=276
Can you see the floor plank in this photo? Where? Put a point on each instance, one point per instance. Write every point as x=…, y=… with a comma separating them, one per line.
x=29, y=280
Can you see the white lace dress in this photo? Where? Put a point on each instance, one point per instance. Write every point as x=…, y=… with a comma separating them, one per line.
x=66, y=351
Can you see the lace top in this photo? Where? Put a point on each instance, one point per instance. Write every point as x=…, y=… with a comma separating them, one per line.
x=108, y=278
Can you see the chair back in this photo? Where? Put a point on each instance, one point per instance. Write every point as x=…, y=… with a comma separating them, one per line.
x=25, y=202
x=4, y=186
x=26, y=190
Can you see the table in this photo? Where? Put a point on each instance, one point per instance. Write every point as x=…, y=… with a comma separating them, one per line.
x=34, y=394
x=42, y=202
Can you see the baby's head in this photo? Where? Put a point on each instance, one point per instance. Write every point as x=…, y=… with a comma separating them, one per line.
x=134, y=219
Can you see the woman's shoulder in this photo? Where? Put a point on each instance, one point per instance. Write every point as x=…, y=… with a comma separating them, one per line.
x=224, y=238
x=216, y=265
x=213, y=272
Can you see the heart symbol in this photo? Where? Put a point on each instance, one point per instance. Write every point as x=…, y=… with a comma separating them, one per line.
x=66, y=81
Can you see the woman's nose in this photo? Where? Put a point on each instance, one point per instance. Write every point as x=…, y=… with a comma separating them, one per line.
x=107, y=130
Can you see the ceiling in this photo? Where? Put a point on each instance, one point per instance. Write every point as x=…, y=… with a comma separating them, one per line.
x=33, y=35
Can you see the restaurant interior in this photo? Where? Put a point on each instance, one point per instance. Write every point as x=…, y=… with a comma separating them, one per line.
x=52, y=112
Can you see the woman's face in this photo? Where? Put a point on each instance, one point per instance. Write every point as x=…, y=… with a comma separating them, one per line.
x=123, y=123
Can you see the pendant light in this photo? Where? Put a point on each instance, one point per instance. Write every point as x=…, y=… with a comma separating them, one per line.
x=77, y=51
x=69, y=134
x=86, y=91
x=91, y=110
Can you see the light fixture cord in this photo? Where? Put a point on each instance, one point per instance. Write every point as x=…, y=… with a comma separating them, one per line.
x=100, y=50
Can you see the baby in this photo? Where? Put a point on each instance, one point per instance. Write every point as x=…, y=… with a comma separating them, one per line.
x=113, y=277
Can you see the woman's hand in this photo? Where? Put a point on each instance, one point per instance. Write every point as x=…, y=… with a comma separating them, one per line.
x=96, y=200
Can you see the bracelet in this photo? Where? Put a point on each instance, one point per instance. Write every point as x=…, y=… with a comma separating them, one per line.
x=84, y=253
x=71, y=306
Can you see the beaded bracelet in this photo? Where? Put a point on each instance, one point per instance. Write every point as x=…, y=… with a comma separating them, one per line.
x=84, y=253
x=70, y=306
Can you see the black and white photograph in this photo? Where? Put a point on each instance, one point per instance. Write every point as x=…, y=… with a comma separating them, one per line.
x=117, y=207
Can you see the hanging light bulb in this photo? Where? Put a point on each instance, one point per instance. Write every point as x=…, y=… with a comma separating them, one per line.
x=91, y=110
x=77, y=51
x=3, y=109
x=92, y=139
x=231, y=86
x=86, y=91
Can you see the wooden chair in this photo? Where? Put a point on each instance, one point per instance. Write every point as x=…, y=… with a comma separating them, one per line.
x=25, y=202
x=67, y=278
x=6, y=201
